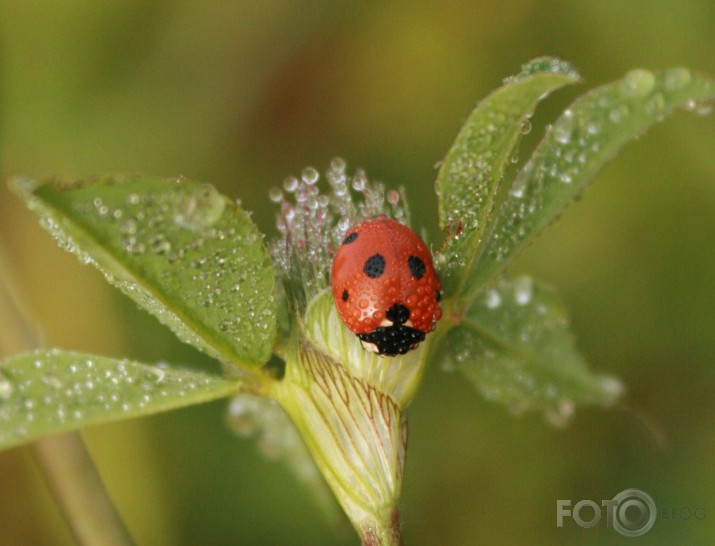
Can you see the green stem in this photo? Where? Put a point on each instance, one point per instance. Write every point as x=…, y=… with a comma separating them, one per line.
x=76, y=485
x=64, y=461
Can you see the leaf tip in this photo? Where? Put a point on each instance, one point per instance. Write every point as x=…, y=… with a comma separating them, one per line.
x=552, y=65
x=23, y=185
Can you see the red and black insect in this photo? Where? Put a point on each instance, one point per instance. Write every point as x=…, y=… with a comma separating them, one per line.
x=385, y=286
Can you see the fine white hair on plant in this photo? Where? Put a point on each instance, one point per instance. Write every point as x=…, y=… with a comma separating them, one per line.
x=313, y=219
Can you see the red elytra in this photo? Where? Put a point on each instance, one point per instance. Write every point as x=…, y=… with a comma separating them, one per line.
x=385, y=286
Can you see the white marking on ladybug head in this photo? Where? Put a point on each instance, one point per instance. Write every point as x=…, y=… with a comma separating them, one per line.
x=369, y=346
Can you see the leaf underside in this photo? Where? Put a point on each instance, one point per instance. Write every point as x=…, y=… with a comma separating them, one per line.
x=516, y=347
x=514, y=342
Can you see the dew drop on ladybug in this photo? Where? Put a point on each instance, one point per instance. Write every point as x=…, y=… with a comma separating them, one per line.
x=385, y=286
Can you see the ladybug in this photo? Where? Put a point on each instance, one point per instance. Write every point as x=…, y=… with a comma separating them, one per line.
x=385, y=286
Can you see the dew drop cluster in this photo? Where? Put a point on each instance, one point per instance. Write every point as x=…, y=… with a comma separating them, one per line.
x=585, y=136
x=543, y=64
x=468, y=183
x=179, y=248
x=518, y=351
x=53, y=391
x=314, y=217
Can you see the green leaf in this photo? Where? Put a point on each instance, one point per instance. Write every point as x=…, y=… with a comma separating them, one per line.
x=469, y=178
x=585, y=136
x=515, y=345
x=47, y=392
x=178, y=248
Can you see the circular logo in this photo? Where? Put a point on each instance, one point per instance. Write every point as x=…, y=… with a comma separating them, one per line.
x=634, y=513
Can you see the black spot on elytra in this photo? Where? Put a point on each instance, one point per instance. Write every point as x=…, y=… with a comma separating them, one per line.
x=438, y=295
x=417, y=267
x=398, y=314
x=374, y=266
x=350, y=238
x=345, y=295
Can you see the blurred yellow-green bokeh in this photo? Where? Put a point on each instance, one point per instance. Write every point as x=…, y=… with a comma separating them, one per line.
x=241, y=94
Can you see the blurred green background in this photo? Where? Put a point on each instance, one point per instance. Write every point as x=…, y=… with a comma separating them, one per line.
x=241, y=94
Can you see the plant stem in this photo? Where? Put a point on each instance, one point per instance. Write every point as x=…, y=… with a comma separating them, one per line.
x=64, y=461
x=392, y=536
x=78, y=488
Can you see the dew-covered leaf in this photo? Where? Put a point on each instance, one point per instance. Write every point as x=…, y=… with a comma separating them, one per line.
x=515, y=345
x=179, y=248
x=470, y=175
x=583, y=138
x=48, y=392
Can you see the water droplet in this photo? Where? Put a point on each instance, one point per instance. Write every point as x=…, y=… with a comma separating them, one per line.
x=676, y=78
x=359, y=181
x=337, y=164
x=128, y=227
x=523, y=290
x=566, y=177
x=133, y=199
x=617, y=114
x=310, y=176
x=592, y=128
x=525, y=128
x=275, y=195
x=543, y=64
x=655, y=103
x=199, y=211
x=638, y=83
x=519, y=187
x=563, y=128
x=290, y=184
x=132, y=245
x=52, y=381
x=241, y=414
x=493, y=299
x=560, y=415
x=613, y=388
x=6, y=388
x=159, y=244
